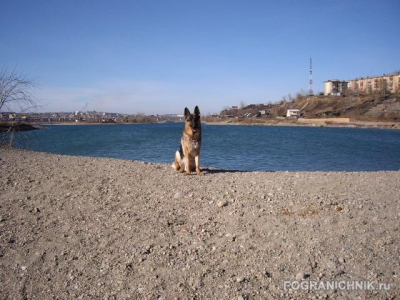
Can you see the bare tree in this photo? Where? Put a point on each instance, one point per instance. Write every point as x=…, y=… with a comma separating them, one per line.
x=15, y=96
x=15, y=91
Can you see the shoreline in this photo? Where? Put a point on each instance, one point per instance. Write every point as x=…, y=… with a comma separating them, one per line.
x=87, y=227
x=316, y=123
x=356, y=124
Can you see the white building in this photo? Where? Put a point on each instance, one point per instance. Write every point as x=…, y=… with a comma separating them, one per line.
x=335, y=87
x=293, y=113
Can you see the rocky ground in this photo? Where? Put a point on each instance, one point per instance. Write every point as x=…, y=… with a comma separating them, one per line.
x=96, y=228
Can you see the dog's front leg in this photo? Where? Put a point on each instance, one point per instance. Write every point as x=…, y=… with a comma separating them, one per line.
x=187, y=165
x=197, y=160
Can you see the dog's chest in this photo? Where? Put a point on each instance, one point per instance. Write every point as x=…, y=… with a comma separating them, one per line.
x=191, y=144
x=194, y=145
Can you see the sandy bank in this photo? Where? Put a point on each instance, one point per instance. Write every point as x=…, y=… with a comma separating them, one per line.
x=312, y=123
x=91, y=228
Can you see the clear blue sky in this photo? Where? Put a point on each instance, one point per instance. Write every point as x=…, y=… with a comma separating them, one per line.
x=160, y=56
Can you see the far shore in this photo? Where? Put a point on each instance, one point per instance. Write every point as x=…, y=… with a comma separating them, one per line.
x=316, y=123
x=275, y=122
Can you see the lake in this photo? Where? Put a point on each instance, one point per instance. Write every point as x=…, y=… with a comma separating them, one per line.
x=247, y=148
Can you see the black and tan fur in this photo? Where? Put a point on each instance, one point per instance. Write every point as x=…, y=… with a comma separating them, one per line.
x=187, y=158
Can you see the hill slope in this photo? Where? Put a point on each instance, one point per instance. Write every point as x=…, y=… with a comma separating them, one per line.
x=372, y=107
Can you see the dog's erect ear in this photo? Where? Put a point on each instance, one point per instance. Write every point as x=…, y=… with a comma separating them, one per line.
x=186, y=112
x=197, y=111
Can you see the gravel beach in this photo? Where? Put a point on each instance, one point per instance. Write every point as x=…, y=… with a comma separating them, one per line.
x=98, y=228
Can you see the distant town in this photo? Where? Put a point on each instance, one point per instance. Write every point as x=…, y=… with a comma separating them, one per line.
x=86, y=117
x=370, y=99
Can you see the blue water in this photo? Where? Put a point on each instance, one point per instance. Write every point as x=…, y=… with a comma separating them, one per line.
x=247, y=148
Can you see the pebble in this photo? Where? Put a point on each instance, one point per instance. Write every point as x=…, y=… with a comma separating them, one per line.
x=222, y=203
x=240, y=279
x=301, y=276
x=341, y=260
x=339, y=272
x=177, y=195
x=231, y=237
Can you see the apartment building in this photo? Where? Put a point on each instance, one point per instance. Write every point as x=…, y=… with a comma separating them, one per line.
x=389, y=83
x=335, y=87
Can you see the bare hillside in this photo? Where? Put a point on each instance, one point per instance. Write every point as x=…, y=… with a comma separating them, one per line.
x=374, y=107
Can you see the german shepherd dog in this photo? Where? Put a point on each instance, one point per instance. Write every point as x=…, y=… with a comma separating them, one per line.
x=187, y=158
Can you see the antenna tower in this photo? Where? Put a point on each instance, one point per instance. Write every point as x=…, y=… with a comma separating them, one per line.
x=310, y=88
